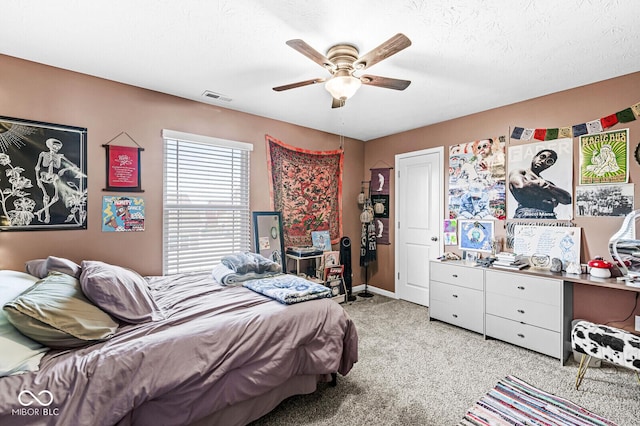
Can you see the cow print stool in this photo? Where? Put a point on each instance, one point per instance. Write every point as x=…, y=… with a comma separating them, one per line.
x=609, y=344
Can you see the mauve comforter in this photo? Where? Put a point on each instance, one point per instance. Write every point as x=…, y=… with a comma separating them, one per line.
x=217, y=347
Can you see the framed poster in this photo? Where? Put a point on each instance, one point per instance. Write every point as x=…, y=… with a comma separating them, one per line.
x=122, y=214
x=604, y=157
x=476, y=235
x=123, y=168
x=43, y=176
x=321, y=240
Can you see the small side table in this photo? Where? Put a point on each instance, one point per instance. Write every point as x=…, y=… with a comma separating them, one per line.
x=299, y=258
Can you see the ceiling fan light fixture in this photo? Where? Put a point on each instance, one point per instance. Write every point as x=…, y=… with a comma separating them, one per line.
x=343, y=87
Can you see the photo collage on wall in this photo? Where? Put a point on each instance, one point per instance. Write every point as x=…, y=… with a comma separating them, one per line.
x=477, y=173
x=533, y=181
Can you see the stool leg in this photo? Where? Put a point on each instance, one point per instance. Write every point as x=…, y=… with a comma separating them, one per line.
x=638, y=377
x=582, y=369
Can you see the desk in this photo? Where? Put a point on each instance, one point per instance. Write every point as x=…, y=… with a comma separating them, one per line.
x=586, y=279
x=297, y=259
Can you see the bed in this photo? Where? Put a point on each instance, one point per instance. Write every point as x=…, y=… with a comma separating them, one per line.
x=212, y=354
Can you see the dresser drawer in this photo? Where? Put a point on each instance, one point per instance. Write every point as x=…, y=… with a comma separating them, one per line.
x=533, y=313
x=471, y=319
x=466, y=298
x=527, y=336
x=541, y=290
x=465, y=276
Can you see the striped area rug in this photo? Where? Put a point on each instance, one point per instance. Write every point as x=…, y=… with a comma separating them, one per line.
x=513, y=402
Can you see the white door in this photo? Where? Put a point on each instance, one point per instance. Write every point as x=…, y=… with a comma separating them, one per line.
x=419, y=215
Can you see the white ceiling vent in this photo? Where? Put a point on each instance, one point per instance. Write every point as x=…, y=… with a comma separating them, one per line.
x=216, y=96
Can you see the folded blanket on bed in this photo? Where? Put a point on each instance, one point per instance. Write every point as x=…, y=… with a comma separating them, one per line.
x=288, y=289
x=243, y=263
x=227, y=277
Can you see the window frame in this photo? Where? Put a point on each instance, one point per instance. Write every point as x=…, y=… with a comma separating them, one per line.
x=203, y=250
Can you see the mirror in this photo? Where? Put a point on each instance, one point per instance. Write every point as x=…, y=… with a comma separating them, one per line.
x=268, y=237
x=624, y=246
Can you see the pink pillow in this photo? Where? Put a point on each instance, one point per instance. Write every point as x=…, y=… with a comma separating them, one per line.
x=119, y=291
x=41, y=267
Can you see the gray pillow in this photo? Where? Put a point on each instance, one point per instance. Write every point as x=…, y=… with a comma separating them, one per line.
x=55, y=313
x=119, y=291
x=41, y=267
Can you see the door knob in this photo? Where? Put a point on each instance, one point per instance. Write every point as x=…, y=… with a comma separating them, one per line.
x=434, y=238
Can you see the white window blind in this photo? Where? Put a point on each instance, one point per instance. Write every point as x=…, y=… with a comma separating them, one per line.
x=206, y=201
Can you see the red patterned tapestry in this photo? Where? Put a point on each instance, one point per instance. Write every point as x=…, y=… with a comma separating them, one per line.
x=306, y=186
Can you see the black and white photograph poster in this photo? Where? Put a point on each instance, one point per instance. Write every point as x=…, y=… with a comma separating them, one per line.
x=604, y=200
x=540, y=180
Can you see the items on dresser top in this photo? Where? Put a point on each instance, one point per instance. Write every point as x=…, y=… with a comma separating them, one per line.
x=508, y=260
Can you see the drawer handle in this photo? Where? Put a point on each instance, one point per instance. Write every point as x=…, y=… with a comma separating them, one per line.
x=455, y=275
x=521, y=335
x=520, y=287
x=520, y=311
x=455, y=315
x=455, y=296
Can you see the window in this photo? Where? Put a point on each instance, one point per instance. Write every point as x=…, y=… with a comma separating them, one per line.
x=206, y=201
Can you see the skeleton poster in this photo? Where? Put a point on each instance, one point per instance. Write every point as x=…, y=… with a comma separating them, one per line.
x=43, y=178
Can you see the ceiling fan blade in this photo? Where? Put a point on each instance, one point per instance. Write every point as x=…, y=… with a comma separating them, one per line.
x=386, y=82
x=386, y=49
x=337, y=103
x=311, y=53
x=299, y=84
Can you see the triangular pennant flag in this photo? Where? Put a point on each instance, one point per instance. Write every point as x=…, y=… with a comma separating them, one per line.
x=636, y=109
x=608, y=121
x=565, y=132
x=579, y=129
x=551, y=134
x=517, y=132
x=594, y=126
x=526, y=135
x=625, y=116
x=540, y=134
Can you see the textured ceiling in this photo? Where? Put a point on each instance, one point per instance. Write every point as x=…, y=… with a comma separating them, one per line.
x=466, y=56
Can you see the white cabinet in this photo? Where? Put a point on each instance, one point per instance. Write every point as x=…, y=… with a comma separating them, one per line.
x=532, y=311
x=456, y=295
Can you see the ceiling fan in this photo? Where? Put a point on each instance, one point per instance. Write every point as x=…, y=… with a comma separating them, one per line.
x=342, y=62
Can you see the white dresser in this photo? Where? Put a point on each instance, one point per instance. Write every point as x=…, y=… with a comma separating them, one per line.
x=456, y=295
x=527, y=311
x=520, y=308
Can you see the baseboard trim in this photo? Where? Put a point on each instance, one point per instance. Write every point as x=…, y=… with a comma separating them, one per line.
x=357, y=289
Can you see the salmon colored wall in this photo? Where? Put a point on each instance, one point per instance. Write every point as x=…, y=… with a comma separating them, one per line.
x=38, y=92
x=106, y=108
x=556, y=110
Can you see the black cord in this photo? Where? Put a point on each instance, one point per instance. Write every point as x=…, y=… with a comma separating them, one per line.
x=628, y=316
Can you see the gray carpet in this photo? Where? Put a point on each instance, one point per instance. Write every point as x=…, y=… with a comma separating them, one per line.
x=415, y=372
